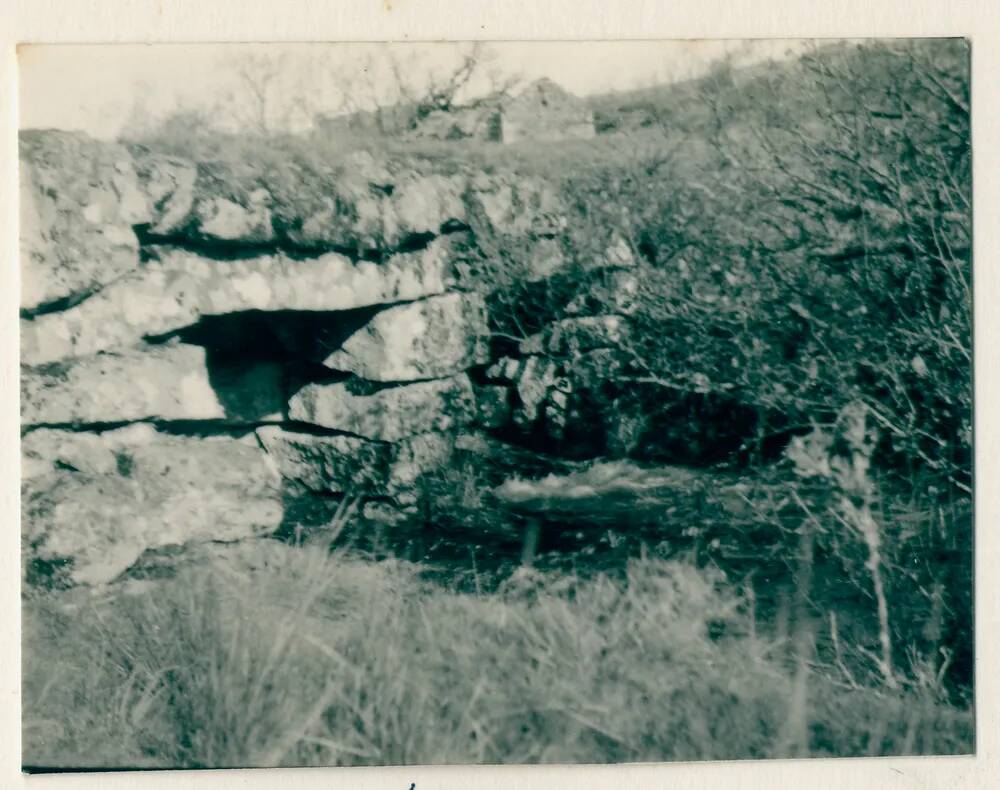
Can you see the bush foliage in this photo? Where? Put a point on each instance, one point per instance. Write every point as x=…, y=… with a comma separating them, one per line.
x=803, y=243
x=809, y=245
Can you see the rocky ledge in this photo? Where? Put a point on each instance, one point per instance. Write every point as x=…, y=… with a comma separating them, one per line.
x=203, y=349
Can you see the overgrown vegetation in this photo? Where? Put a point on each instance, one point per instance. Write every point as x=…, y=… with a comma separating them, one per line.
x=303, y=658
x=803, y=238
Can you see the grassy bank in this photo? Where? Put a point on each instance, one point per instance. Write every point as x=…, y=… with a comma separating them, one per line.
x=296, y=657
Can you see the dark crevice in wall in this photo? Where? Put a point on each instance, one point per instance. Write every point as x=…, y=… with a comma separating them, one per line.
x=234, y=250
x=276, y=335
x=207, y=428
x=258, y=360
x=199, y=428
x=415, y=242
x=309, y=429
x=77, y=427
x=172, y=427
x=477, y=374
x=364, y=387
x=66, y=302
x=57, y=305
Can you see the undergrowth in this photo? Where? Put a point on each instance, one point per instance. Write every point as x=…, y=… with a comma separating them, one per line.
x=299, y=657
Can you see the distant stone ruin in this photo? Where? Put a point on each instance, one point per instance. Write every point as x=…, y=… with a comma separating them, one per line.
x=542, y=111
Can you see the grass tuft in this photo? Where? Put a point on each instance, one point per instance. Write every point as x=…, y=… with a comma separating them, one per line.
x=298, y=657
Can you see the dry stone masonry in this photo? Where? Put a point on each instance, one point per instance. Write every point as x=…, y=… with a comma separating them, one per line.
x=202, y=350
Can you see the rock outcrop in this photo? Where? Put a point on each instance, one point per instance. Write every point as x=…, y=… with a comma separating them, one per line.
x=383, y=212
x=179, y=287
x=433, y=338
x=93, y=503
x=362, y=205
x=210, y=351
x=387, y=414
x=158, y=383
x=79, y=202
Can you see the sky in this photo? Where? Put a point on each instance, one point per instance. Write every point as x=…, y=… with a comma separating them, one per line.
x=107, y=89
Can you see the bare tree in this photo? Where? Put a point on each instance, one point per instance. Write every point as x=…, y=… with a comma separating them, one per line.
x=449, y=91
x=257, y=75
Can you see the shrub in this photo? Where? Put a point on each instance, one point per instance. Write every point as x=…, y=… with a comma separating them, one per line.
x=803, y=238
x=809, y=246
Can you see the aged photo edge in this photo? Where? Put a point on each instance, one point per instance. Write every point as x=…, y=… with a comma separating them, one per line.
x=964, y=772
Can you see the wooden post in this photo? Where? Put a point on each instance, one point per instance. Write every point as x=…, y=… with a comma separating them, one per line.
x=529, y=544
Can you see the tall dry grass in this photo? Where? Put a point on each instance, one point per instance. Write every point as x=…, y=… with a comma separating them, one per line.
x=297, y=657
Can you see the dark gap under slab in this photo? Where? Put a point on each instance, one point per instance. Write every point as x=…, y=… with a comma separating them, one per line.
x=196, y=428
x=310, y=429
x=234, y=250
x=58, y=305
x=277, y=335
x=72, y=300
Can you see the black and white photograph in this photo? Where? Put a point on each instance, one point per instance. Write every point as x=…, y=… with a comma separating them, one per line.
x=511, y=402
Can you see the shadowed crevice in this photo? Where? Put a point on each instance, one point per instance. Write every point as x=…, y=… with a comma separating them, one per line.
x=276, y=335
x=236, y=249
x=72, y=300
x=58, y=305
x=199, y=428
